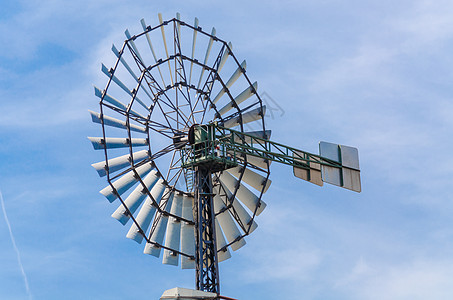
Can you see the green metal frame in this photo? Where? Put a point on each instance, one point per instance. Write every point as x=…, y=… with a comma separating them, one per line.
x=224, y=145
x=208, y=149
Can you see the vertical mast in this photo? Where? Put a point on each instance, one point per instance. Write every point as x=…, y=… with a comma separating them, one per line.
x=207, y=269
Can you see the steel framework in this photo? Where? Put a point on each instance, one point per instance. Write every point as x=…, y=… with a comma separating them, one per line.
x=207, y=269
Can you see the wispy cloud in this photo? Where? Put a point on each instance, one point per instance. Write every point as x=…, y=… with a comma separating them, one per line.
x=416, y=279
x=13, y=241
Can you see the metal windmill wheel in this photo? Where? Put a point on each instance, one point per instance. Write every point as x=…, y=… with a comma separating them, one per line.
x=167, y=79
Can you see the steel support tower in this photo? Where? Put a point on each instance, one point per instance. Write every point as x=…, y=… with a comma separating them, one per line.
x=207, y=269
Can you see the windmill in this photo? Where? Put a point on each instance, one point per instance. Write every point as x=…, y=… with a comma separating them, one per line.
x=186, y=152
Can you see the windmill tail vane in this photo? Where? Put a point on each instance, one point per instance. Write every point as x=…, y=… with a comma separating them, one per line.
x=186, y=174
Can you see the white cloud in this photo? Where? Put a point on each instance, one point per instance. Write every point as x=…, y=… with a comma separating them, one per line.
x=418, y=279
x=287, y=265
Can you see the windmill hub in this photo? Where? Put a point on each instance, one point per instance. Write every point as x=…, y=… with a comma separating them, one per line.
x=206, y=150
x=180, y=139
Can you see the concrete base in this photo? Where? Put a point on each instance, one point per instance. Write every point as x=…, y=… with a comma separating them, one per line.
x=187, y=294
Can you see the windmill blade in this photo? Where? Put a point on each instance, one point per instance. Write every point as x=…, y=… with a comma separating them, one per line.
x=220, y=243
x=114, y=102
x=259, y=162
x=253, y=179
x=158, y=234
x=131, y=41
x=100, y=143
x=118, y=163
x=113, y=122
x=142, y=21
x=173, y=237
x=135, y=199
x=146, y=213
x=165, y=45
x=108, y=98
x=225, y=56
x=243, y=216
x=187, y=234
x=346, y=176
x=124, y=63
x=247, y=137
x=247, y=93
x=311, y=174
x=178, y=25
x=243, y=193
x=227, y=224
x=231, y=81
x=125, y=182
x=121, y=85
x=206, y=57
x=253, y=115
x=194, y=40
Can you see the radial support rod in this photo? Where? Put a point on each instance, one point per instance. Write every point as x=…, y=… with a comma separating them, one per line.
x=207, y=269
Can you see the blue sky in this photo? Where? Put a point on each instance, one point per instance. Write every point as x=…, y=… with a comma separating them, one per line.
x=375, y=75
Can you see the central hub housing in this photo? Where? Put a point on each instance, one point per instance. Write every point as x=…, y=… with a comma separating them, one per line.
x=207, y=151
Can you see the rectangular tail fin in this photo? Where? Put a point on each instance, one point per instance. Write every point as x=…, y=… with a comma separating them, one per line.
x=311, y=174
x=348, y=176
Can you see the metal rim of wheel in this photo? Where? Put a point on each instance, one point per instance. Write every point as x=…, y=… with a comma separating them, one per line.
x=152, y=98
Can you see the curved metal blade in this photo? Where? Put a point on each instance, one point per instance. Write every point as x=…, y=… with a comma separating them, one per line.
x=114, y=102
x=159, y=232
x=194, y=40
x=230, y=81
x=220, y=243
x=125, y=64
x=117, y=53
x=253, y=115
x=243, y=193
x=238, y=138
x=227, y=223
x=173, y=236
x=129, y=37
x=122, y=85
x=113, y=122
x=206, y=57
x=165, y=45
x=243, y=216
x=178, y=26
x=225, y=55
x=100, y=143
x=118, y=163
x=135, y=199
x=187, y=234
x=142, y=21
x=253, y=160
x=125, y=182
x=247, y=93
x=146, y=213
x=253, y=179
